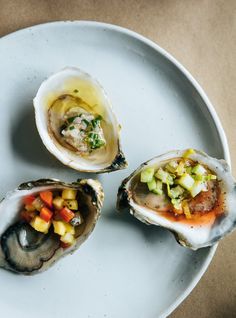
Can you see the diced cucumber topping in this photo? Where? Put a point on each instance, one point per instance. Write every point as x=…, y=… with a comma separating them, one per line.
x=178, y=181
x=199, y=170
x=198, y=187
x=188, y=153
x=152, y=184
x=164, y=176
x=147, y=175
x=186, y=181
x=158, y=189
x=181, y=169
x=189, y=170
x=176, y=192
x=172, y=166
x=176, y=203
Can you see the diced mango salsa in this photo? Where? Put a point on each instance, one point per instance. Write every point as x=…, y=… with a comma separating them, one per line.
x=68, y=238
x=40, y=225
x=69, y=194
x=58, y=203
x=59, y=227
x=29, y=207
x=71, y=204
x=69, y=228
x=54, y=208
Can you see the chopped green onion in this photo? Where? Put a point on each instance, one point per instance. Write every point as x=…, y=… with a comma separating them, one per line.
x=181, y=169
x=172, y=166
x=198, y=187
x=189, y=170
x=186, y=181
x=176, y=192
x=97, y=144
x=152, y=184
x=71, y=119
x=72, y=127
x=199, y=170
x=147, y=175
x=158, y=189
x=85, y=121
x=164, y=176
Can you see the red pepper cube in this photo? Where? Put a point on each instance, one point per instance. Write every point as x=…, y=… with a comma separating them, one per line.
x=46, y=214
x=47, y=197
x=27, y=215
x=29, y=199
x=64, y=245
x=66, y=214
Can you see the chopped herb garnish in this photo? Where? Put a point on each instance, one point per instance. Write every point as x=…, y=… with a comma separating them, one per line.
x=95, y=122
x=90, y=132
x=97, y=144
x=85, y=121
x=71, y=119
x=76, y=90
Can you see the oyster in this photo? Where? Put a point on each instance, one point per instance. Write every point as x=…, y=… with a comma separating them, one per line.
x=76, y=123
x=199, y=216
x=28, y=251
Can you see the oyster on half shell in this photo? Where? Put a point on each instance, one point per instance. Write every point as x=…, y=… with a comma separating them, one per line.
x=26, y=251
x=76, y=123
x=211, y=212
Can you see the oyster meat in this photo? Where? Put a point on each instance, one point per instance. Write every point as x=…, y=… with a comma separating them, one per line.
x=187, y=192
x=76, y=123
x=27, y=249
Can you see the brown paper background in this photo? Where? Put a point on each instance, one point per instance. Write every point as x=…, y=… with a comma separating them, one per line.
x=201, y=34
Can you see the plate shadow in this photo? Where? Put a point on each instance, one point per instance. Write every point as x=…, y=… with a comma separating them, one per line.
x=26, y=142
x=152, y=234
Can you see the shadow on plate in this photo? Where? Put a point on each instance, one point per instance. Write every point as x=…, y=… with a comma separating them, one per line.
x=27, y=144
x=151, y=233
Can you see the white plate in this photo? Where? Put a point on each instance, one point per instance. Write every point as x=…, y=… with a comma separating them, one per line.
x=126, y=269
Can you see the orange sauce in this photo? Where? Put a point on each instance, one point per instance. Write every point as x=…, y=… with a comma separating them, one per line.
x=199, y=218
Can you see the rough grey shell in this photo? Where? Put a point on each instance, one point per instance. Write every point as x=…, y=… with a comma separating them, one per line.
x=90, y=190
x=195, y=236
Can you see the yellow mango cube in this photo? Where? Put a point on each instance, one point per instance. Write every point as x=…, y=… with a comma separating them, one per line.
x=59, y=227
x=69, y=228
x=58, y=203
x=68, y=238
x=71, y=204
x=40, y=225
x=69, y=194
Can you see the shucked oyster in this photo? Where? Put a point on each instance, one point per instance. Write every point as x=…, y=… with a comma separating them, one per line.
x=44, y=220
x=76, y=123
x=187, y=192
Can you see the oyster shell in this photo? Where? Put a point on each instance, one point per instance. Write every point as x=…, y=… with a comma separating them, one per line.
x=216, y=212
x=26, y=251
x=76, y=123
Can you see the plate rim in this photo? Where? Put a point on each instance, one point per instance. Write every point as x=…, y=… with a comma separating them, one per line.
x=208, y=106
